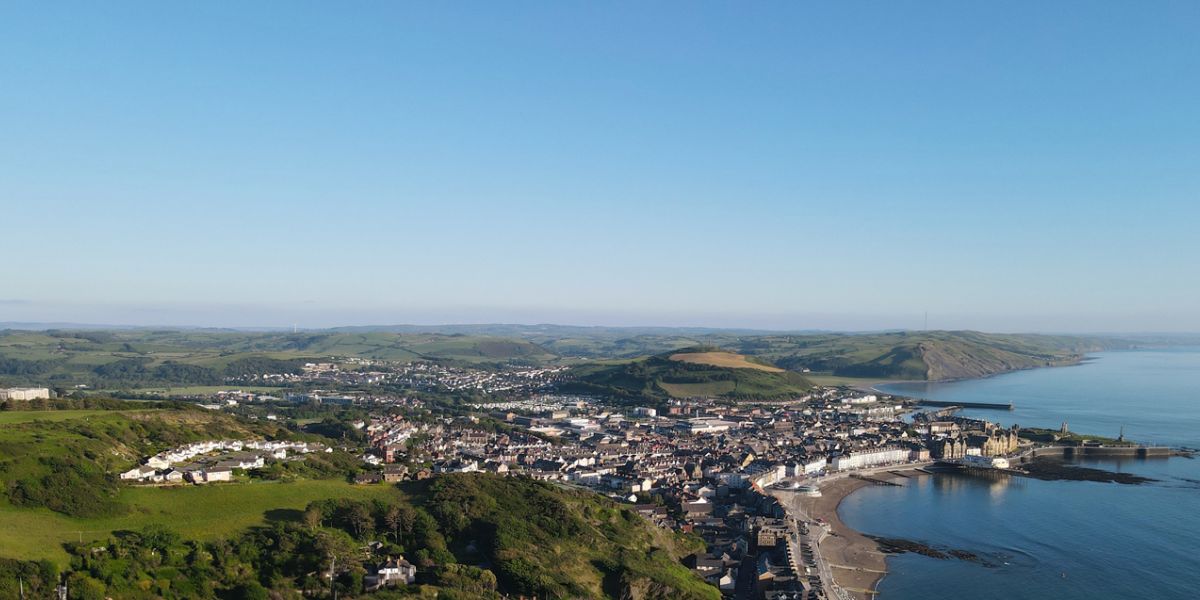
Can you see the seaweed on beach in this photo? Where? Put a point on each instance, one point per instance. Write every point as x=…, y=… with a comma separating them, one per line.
x=900, y=546
x=1049, y=469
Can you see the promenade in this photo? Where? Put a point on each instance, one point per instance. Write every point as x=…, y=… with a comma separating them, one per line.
x=847, y=565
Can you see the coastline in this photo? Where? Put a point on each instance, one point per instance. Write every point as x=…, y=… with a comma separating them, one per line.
x=856, y=561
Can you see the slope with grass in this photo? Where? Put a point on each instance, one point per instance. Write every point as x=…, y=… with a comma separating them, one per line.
x=203, y=513
x=724, y=360
x=547, y=541
x=66, y=461
x=471, y=535
x=702, y=372
x=138, y=358
x=934, y=355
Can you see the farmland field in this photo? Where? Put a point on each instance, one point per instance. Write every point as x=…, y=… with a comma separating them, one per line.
x=727, y=360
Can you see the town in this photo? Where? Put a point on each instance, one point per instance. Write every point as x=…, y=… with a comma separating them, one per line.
x=746, y=477
x=728, y=473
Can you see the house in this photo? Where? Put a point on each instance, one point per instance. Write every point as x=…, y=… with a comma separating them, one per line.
x=213, y=474
x=158, y=462
x=394, y=473
x=396, y=571
x=139, y=473
x=368, y=478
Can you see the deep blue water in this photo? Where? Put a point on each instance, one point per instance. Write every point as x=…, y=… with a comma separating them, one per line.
x=1058, y=539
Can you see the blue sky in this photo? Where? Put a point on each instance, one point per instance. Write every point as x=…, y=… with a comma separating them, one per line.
x=1025, y=166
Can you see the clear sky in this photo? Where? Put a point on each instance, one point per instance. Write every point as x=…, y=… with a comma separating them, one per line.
x=1029, y=166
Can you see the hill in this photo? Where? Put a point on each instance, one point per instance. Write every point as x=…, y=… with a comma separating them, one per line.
x=471, y=536
x=687, y=374
x=65, y=460
x=934, y=355
x=129, y=358
x=727, y=360
x=139, y=358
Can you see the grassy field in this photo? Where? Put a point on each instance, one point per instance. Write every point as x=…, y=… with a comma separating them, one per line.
x=12, y=417
x=726, y=360
x=199, y=512
x=199, y=390
x=838, y=380
x=688, y=390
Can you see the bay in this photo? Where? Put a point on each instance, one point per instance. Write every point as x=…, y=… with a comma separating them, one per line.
x=1059, y=539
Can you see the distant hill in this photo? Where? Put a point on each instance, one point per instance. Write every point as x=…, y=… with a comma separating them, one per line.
x=148, y=357
x=932, y=356
x=155, y=357
x=707, y=373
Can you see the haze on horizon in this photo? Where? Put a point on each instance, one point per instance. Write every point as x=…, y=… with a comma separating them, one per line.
x=1016, y=167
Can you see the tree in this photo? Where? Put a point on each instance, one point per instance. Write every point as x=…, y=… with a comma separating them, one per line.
x=393, y=518
x=252, y=590
x=360, y=520
x=82, y=587
x=313, y=516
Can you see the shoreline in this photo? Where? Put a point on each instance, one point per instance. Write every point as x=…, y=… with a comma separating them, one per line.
x=857, y=562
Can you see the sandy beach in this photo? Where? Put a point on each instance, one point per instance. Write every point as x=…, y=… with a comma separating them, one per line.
x=855, y=559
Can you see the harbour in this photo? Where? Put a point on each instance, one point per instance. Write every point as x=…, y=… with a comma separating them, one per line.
x=1074, y=539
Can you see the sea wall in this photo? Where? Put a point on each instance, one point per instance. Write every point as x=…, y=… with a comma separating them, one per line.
x=1099, y=451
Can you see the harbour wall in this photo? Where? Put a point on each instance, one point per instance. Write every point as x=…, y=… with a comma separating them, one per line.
x=1099, y=451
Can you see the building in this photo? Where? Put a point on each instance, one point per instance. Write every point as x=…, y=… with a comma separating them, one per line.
x=212, y=475
x=870, y=458
x=395, y=571
x=25, y=394
x=948, y=448
x=815, y=465
x=394, y=473
x=698, y=426
x=986, y=462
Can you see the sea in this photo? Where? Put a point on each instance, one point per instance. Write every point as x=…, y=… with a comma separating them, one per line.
x=1057, y=539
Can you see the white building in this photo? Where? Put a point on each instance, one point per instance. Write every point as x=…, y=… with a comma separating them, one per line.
x=815, y=465
x=698, y=426
x=24, y=393
x=991, y=462
x=869, y=458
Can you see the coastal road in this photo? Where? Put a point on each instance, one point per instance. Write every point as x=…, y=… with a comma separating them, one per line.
x=793, y=503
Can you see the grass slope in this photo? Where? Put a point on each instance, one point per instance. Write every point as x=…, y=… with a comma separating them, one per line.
x=196, y=512
x=934, y=355
x=151, y=358
x=552, y=541
x=662, y=377
x=725, y=360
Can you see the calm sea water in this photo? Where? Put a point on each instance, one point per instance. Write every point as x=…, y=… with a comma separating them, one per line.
x=1058, y=539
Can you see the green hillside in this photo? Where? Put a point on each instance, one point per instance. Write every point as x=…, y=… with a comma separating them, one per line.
x=145, y=358
x=141, y=358
x=660, y=378
x=66, y=461
x=934, y=355
x=471, y=536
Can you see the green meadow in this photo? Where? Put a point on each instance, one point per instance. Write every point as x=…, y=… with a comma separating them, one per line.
x=13, y=417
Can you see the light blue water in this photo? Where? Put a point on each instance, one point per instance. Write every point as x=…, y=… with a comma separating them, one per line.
x=1058, y=539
